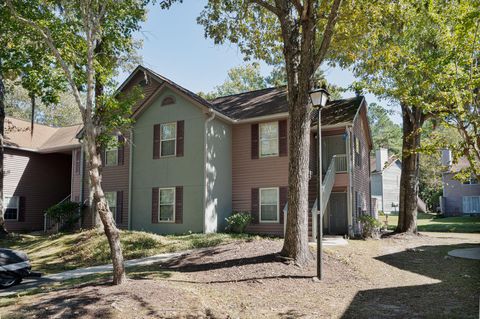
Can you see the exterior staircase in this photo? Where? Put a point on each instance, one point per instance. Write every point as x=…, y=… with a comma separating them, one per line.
x=327, y=187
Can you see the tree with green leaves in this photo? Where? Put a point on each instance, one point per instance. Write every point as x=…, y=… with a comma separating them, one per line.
x=385, y=133
x=18, y=105
x=408, y=62
x=248, y=77
x=23, y=58
x=240, y=79
x=89, y=39
x=459, y=85
x=301, y=35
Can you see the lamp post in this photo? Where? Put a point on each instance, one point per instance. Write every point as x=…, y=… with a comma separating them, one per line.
x=319, y=98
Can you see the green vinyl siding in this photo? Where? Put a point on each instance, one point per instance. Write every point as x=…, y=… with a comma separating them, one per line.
x=186, y=171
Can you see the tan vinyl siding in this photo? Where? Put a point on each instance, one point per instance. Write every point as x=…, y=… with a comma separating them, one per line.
x=248, y=173
x=115, y=178
x=42, y=179
x=361, y=174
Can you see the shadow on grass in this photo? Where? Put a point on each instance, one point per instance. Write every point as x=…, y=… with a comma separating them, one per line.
x=455, y=296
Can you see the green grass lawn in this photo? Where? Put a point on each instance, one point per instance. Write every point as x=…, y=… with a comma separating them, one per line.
x=430, y=222
x=61, y=252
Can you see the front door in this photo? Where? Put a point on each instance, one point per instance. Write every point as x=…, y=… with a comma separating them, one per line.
x=338, y=224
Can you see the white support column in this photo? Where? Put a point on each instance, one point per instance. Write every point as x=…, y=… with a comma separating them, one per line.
x=350, y=182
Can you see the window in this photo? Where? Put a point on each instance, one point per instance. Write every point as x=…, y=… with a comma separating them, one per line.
x=268, y=139
x=471, y=181
x=111, y=156
x=166, y=207
x=11, y=208
x=78, y=154
x=111, y=198
x=269, y=205
x=168, y=139
x=358, y=152
x=168, y=100
x=471, y=204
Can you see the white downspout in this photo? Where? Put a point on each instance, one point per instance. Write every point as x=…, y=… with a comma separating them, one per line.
x=205, y=175
x=130, y=167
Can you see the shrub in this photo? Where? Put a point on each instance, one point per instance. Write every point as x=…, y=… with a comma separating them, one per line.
x=370, y=226
x=238, y=221
x=65, y=213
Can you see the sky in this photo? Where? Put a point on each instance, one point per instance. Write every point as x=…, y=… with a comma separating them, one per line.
x=174, y=46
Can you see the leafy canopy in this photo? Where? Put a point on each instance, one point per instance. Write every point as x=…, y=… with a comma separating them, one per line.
x=385, y=133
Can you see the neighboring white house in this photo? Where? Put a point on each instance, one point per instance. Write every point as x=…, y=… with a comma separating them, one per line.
x=385, y=182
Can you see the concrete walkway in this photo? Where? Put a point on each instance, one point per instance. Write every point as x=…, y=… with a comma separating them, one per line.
x=332, y=241
x=31, y=283
x=467, y=253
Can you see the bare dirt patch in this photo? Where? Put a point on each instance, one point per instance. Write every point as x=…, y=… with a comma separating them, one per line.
x=389, y=278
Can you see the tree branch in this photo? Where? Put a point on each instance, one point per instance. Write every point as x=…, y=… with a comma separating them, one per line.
x=298, y=5
x=268, y=6
x=327, y=34
x=46, y=35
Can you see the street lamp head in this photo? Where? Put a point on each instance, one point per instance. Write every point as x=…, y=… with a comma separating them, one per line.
x=319, y=97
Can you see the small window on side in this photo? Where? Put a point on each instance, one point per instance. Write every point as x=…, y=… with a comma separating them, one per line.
x=11, y=208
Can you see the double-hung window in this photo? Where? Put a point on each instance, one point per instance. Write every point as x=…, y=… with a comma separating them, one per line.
x=358, y=151
x=166, y=207
x=269, y=205
x=11, y=207
x=268, y=139
x=111, y=198
x=168, y=139
x=111, y=153
x=111, y=156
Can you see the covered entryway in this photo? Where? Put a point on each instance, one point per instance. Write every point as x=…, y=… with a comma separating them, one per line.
x=337, y=214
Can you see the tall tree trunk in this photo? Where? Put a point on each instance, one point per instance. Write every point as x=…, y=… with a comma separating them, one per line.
x=409, y=178
x=3, y=229
x=299, y=64
x=101, y=206
x=296, y=236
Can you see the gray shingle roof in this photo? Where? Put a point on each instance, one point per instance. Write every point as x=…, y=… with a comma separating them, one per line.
x=273, y=101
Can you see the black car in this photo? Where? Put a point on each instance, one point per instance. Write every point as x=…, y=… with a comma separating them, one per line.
x=14, y=266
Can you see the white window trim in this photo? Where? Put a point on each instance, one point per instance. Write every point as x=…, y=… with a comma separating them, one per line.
x=260, y=140
x=116, y=157
x=470, y=182
x=463, y=204
x=174, y=201
x=5, y=208
x=277, y=220
x=110, y=208
x=171, y=139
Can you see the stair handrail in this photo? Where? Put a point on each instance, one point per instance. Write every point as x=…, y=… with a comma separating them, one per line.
x=328, y=182
x=47, y=222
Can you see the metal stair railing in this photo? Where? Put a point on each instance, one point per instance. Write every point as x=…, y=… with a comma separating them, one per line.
x=49, y=223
